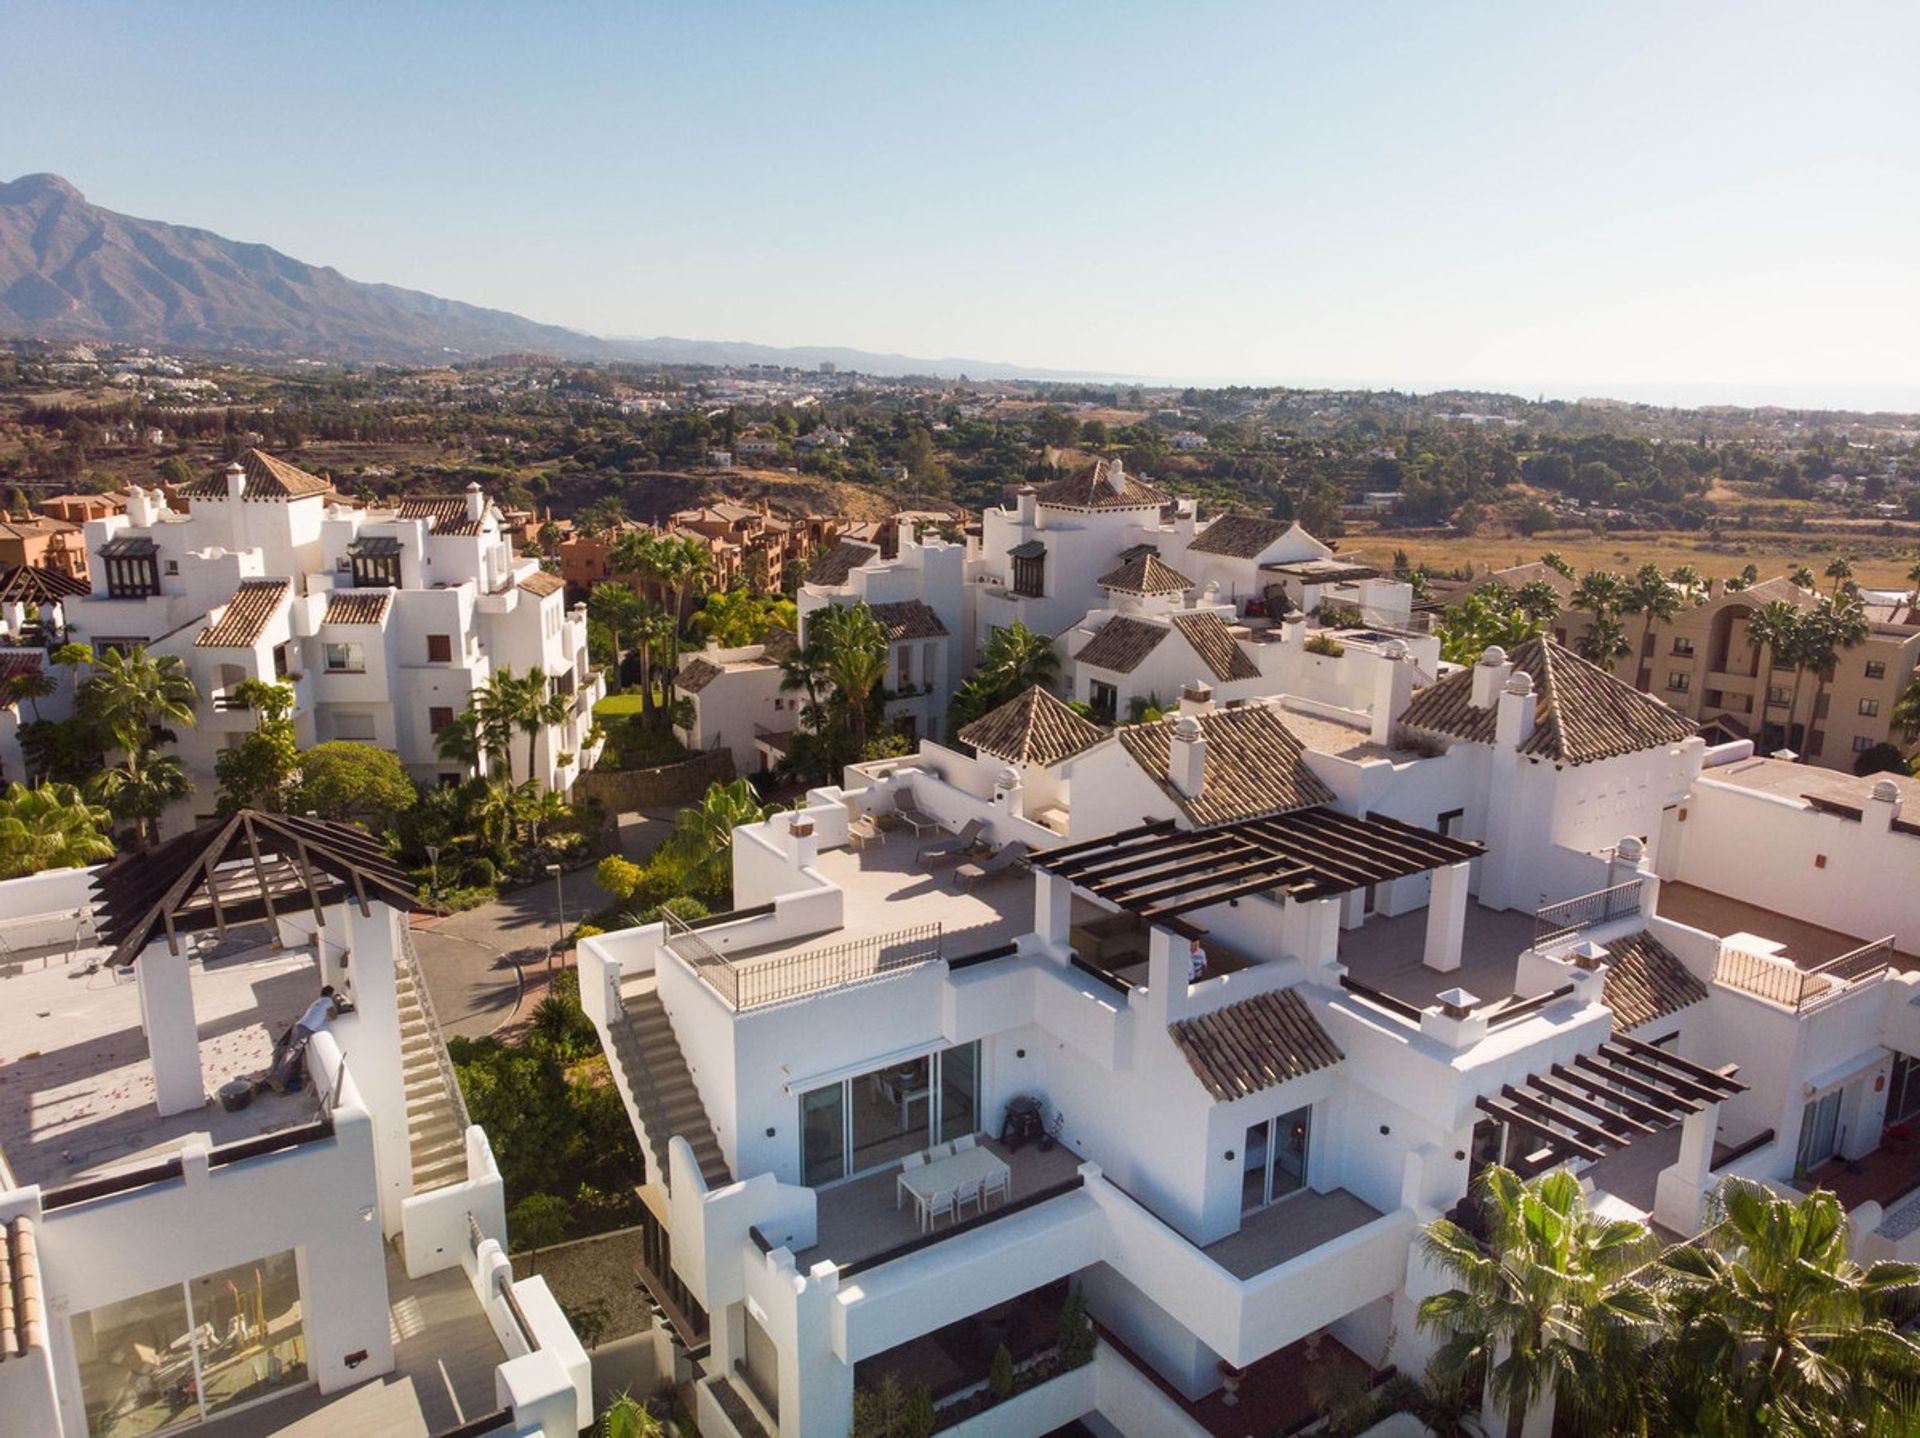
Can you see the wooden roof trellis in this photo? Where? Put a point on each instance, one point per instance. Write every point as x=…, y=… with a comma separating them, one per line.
x=35, y=584
x=1159, y=873
x=238, y=870
x=1604, y=1100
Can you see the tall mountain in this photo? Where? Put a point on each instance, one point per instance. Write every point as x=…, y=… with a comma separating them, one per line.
x=70, y=270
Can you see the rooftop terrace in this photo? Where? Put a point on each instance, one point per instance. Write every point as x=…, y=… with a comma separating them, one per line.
x=1387, y=954
x=76, y=1086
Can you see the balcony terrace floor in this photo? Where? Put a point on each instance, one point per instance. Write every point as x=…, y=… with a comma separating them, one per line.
x=1806, y=944
x=1387, y=954
x=1284, y=1230
x=858, y=1219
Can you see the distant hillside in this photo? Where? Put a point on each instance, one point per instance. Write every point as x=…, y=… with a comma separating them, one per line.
x=70, y=270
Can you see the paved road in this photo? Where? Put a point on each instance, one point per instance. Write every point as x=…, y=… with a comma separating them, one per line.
x=471, y=960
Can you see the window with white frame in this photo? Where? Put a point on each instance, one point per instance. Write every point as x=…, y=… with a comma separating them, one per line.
x=346, y=659
x=1870, y=707
x=353, y=726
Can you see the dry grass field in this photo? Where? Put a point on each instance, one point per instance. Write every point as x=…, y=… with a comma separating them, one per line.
x=1878, y=560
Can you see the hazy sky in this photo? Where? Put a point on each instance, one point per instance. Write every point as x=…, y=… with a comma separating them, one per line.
x=1604, y=197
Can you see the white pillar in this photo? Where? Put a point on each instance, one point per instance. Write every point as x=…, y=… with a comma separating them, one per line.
x=1680, y=1191
x=1446, y=918
x=173, y=1034
x=1053, y=912
x=1169, y=960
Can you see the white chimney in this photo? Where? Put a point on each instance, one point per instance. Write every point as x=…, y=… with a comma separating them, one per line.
x=1392, y=690
x=476, y=501
x=1882, y=807
x=1187, y=756
x=143, y=506
x=1513, y=724
x=1026, y=501
x=1490, y=676
x=236, y=480
x=1196, y=699
x=1116, y=476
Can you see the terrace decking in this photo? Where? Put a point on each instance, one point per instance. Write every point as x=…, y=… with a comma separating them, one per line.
x=76, y=1084
x=1387, y=954
x=1297, y=1224
x=858, y=1219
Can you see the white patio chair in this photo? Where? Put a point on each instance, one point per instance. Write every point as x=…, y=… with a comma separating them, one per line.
x=940, y=1150
x=963, y=1143
x=996, y=1182
x=967, y=1193
x=910, y=1162
x=941, y=1202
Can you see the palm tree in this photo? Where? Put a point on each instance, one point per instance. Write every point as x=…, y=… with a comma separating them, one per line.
x=1548, y=1309
x=1776, y=629
x=1776, y=1330
x=459, y=742
x=1599, y=591
x=1605, y=642
x=1800, y=576
x=856, y=660
x=131, y=694
x=1011, y=662
x=29, y=687
x=1651, y=594
x=652, y=629
x=495, y=709
x=527, y=702
x=1905, y=719
x=1538, y=600
x=1688, y=581
x=50, y=826
x=1839, y=570
x=1913, y=595
x=140, y=787
x=683, y=565
x=704, y=833
x=1839, y=624
x=1553, y=560
x=617, y=607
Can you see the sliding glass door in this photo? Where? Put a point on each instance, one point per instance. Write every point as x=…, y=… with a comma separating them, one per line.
x=863, y=1124
x=1275, y=1160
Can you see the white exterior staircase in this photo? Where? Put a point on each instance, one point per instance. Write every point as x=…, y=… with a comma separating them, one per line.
x=436, y=1112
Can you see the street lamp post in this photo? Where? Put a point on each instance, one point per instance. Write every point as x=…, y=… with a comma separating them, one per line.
x=560, y=909
x=433, y=858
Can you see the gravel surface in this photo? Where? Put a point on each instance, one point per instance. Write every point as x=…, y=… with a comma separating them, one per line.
x=600, y=1269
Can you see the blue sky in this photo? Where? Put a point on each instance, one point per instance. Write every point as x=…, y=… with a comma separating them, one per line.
x=1620, y=198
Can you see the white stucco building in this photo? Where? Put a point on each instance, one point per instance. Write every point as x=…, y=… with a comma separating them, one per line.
x=182, y=1239
x=382, y=620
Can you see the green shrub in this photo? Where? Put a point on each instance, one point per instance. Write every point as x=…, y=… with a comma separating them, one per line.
x=1076, y=1340
x=480, y=873
x=1325, y=644
x=618, y=876
x=1000, y=1374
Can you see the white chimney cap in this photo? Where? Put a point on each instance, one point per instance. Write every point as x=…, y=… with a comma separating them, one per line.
x=1494, y=656
x=1457, y=1003
x=1187, y=728
x=1630, y=848
x=234, y=468
x=1521, y=683
x=1886, y=791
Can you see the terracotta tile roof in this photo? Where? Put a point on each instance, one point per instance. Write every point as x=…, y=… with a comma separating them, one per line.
x=245, y=618
x=447, y=511
x=1581, y=712
x=1646, y=982
x=358, y=606
x=1258, y=1043
x=696, y=674
x=1768, y=590
x=1218, y=649
x=1104, y=484
x=777, y=644
x=1121, y=644
x=23, y=1304
x=267, y=478
x=1254, y=764
x=35, y=526
x=1145, y=574
x=833, y=567
x=1519, y=576
x=908, y=619
x=1239, y=536
x=1033, y=728
x=20, y=663
x=542, y=583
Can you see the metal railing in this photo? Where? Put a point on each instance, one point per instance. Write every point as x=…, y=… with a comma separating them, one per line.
x=441, y=1059
x=1572, y=917
x=755, y=984
x=1778, y=981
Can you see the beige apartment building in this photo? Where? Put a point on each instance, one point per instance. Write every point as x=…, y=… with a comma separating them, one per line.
x=1702, y=663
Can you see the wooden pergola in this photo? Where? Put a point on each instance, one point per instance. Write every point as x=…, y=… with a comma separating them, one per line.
x=1159, y=871
x=239, y=870
x=1603, y=1101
